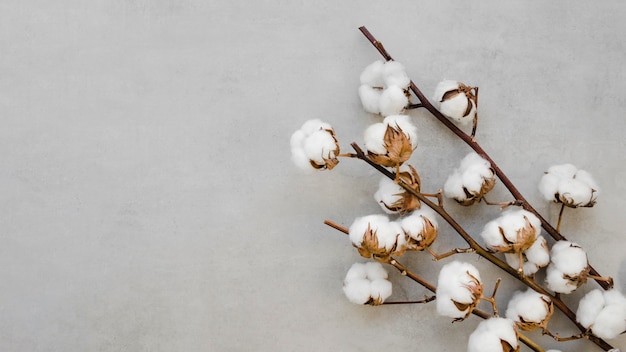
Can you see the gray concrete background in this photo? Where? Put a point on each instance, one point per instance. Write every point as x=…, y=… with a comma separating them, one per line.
x=148, y=200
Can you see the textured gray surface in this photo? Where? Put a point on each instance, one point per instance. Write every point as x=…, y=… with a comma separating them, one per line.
x=148, y=201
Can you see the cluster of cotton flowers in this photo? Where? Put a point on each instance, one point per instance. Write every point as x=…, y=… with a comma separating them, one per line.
x=376, y=236
x=366, y=283
x=459, y=290
x=569, y=267
x=471, y=181
x=314, y=146
x=456, y=101
x=393, y=198
x=494, y=335
x=604, y=312
x=384, y=88
x=530, y=310
x=568, y=185
x=391, y=142
x=515, y=232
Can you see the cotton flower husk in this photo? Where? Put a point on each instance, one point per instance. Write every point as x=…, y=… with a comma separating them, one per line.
x=471, y=180
x=604, y=312
x=459, y=290
x=393, y=198
x=535, y=257
x=391, y=142
x=314, y=146
x=513, y=232
x=456, y=101
x=367, y=284
x=421, y=228
x=568, y=267
x=568, y=185
x=530, y=310
x=376, y=236
x=494, y=335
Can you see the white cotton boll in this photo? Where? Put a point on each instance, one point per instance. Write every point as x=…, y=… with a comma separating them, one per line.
x=574, y=191
x=375, y=271
x=528, y=305
x=403, y=122
x=360, y=226
x=414, y=224
x=372, y=75
x=356, y=271
x=388, y=193
x=380, y=289
x=374, y=137
x=456, y=107
x=389, y=234
x=392, y=101
x=489, y=333
x=455, y=279
x=568, y=257
x=370, y=98
x=556, y=281
x=357, y=291
x=319, y=145
x=589, y=307
x=473, y=179
x=394, y=74
x=513, y=221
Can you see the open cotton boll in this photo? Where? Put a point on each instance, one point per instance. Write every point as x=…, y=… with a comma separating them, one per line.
x=557, y=282
x=441, y=89
x=314, y=146
x=568, y=257
x=458, y=290
x=374, y=137
x=471, y=180
x=372, y=75
x=574, y=191
x=403, y=123
x=361, y=225
x=568, y=185
x=529, y=308
x=375, y=235
x=394, y=74
x=367, y=283
x=370, y=98
x=492, y=335
x=414, y=225
x=456, y=101
x=392, y=101
x=604, y=312
x=388, y=195
x=513, y=232
x=320, y=146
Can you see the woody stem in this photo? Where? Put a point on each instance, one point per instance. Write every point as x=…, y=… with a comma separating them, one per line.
x=469, y=140
x=558, y=223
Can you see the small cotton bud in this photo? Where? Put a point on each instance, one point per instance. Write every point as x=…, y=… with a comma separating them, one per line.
x=604, y=312
x=367, y=284
x=568, y=267
x=568, y=185
x=471, y=180
x=376, y=236
x=459, y=290
x=393, y=198
x=314, y=146
x=391, y=142
x=530, y=310
x=456, y=101
x=494, y=335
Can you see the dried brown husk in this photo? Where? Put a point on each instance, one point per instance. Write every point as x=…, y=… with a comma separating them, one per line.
x=476, y=288
x=330, y=160
x=398, y=147
x=407, y=202
x=427, y=237
x=525, y=236
x=579, y=279
x=369, y=247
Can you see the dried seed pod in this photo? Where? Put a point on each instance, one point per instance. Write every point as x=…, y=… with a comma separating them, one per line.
x=569, y=267
x=459, y=290
x=393, y=198
x=421, y=229
x=569, y=185
x=391, y=142
x=471, y=181
x=315, y=146
x=366, y=283
x=375, y=236
x=456, y=101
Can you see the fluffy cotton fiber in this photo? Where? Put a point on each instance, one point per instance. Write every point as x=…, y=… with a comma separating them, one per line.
x=383, y=88
x=367, y=282
x=568, y=185
x=456, y=283
x=604, y=312
x=490, y=334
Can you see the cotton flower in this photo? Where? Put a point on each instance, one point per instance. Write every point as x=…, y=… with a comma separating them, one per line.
x=530, y=310
x=534, y=258
x=314, y=146
x=494, y=335
x=392, y=198
x=459, y=290
x=421, y=228
x=568, y=267
x=366, y=283
x=376, y=236
x=456, y=101
x=604, y=312
x=569, y=185
x=471, y=181
x=513, y=232
x=391, y=142
x=384, y=88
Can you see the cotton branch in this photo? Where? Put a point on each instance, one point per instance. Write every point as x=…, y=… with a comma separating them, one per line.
x=469, y=140
x=479, y=249
x=432, y=288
